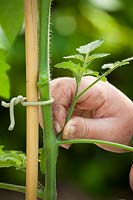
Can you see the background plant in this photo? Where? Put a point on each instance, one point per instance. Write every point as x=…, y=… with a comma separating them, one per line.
x=95, y=26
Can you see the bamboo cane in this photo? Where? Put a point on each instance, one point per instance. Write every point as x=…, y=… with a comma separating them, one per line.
x=31, y=16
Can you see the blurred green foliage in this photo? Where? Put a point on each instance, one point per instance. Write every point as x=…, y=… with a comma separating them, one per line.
x=73, y=23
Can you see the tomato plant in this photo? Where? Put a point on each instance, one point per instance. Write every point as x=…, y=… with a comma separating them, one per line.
x=48, y=154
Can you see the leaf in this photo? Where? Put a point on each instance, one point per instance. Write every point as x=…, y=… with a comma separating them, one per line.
x=42, y=160
x=11, y=17
x=66, y=65
x=4, y=79
x=90, y=46
x=74, y=68
x=104, y=79
x=97, y=55
x=15, y=159
x=109, y=65
x=117, y=64
x=4, y=43
x=128, y=59
x=76, y=56
x=89, y=72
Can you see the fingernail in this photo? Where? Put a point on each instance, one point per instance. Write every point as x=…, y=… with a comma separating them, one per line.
x=69, y=131
x=66, y=146
x=57, y=127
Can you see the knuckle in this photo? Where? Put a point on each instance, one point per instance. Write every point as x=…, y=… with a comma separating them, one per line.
x=101, y=94
x=84, y=128
x=62, y=90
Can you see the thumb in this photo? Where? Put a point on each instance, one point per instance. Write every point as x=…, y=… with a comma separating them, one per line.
x=79, y=127
x=100, y=129
x=131, y=177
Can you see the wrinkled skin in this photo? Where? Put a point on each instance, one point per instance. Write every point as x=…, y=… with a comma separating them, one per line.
x=103, y=113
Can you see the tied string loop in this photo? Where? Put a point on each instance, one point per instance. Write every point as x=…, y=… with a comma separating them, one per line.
x=22, y=100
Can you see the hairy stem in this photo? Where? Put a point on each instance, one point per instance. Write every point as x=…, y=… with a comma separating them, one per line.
x=49, y=139
x=91, y=141
x=18, y=188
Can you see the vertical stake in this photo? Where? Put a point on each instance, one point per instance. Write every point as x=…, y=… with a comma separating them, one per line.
x=31, y=19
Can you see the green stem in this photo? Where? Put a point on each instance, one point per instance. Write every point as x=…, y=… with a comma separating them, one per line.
x=78, y=81
x=85, y=61
x=18, y=188
x=91, y=141
x=98, y=79
x=49, y=139
x=70, y=112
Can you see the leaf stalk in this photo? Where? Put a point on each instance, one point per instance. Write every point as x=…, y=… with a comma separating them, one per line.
x=91, y=141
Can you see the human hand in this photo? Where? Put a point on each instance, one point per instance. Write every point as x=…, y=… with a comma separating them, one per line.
x=103, y=112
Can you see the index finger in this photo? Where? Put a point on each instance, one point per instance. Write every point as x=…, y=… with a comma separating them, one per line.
x=62, y=90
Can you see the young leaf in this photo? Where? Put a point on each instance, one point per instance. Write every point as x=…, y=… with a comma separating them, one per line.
x=66, y=65
x=74, y=68
x=104, y=79
x=76, y=56
x=117, y=64
x=121, y=63
x=128, y=59
x=89, y=72
x=97, y=55
x=90, y=46
x=109, y=65
x=15, y=159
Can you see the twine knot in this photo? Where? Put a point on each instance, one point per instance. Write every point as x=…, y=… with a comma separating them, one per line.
x=22, y=100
